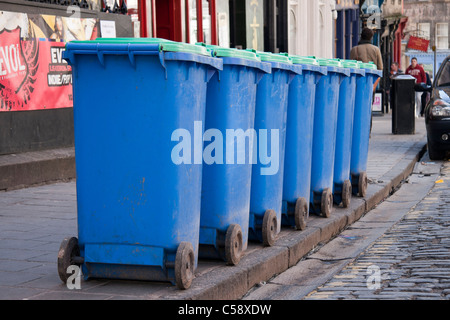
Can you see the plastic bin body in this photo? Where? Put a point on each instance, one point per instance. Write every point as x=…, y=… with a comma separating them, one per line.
x=361, y=126
x=270, y=126
x=299, y=140
x=135, y=205
x=344, y=132
x=324, y=135
x=230, y=113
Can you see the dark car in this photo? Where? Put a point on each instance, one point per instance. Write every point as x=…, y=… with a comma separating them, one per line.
x=437, y=114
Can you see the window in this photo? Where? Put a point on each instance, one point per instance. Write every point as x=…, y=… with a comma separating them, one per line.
x=442, y=35
x=423, y=30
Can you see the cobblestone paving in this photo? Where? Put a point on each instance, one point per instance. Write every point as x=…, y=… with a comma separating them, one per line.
x=410, y=261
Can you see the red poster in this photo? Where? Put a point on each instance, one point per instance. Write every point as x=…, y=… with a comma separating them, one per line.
x=418, y=44
x=33, y=74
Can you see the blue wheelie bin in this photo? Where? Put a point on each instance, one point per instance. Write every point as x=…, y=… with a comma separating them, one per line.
x=324, y=137
x=361, y=127
x=228, y=154
x=342, y=189
x=299, y=139
x=270, y=126
x=138, y=204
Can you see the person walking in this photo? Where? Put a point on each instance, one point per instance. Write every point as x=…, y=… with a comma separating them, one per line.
x=366, y=52
x=417, y=72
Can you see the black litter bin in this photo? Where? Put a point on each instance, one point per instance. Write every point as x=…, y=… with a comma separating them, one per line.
x=403, y=104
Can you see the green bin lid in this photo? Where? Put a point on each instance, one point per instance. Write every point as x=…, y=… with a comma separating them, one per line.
x=271, y=57
x=349, y=63
x=369, y=65
x=329, y=63
x=230, y=52
x=184, y=47
x=126, y=40
x=164, y=44
x=300, y=59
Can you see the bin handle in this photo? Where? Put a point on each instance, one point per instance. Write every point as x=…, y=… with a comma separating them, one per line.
x=101, y=57
x=291, y=77
x=318, y=77
x=296, y=69
x=210, y=73
x=341, y=78
x=163, y=63
x=131, y=57
x=259, y=76
x=213, y=67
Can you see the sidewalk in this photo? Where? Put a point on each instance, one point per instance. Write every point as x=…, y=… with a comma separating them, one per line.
x=34, y=221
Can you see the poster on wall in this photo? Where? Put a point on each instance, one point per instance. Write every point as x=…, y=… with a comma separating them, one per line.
x=377, y=102
x=33, y=75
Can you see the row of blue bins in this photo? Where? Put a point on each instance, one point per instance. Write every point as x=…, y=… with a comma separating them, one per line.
x=189, y=151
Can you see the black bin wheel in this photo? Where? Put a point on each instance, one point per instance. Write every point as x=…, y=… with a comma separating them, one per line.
x=346, y=193
x=326, y=204
x=269, y=228
x=362, y=184
x=184, y=265
x=301, y=213
x=68, y=251
x=233, y=244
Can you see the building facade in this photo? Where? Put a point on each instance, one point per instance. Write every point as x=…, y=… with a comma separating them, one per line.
x=391, y=32
x=311, y=27
x=427, y=20
x=347, y=27
x=393, y=26
x=302, y=27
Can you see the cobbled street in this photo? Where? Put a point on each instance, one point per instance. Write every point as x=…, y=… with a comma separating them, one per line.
x=410, y=261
